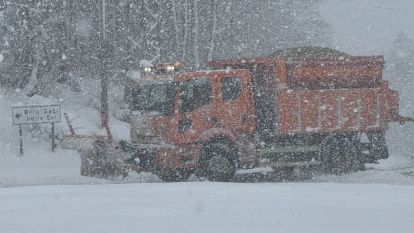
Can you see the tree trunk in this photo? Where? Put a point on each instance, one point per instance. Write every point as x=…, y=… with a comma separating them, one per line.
x=196, y=55
x=213, y=31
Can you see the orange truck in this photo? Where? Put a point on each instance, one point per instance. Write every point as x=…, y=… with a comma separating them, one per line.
x=300, y=109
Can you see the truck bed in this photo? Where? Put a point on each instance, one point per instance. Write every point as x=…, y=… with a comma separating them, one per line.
x=323, y=111
x=320, y=91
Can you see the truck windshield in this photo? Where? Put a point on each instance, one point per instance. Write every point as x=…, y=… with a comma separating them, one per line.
x=154, y=98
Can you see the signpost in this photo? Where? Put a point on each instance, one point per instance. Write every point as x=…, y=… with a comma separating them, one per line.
x=36, y=114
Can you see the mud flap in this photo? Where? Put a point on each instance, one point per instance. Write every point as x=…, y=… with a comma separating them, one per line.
x=378, y=147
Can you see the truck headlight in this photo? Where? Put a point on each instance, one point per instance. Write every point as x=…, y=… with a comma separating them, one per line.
x=147, y=69
x=170, y=68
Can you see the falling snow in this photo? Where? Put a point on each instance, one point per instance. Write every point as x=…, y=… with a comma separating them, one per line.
x=223, y=116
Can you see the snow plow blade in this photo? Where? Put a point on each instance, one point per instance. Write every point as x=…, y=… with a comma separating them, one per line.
x=79, y=142
x=105, y=160
x=100, y=157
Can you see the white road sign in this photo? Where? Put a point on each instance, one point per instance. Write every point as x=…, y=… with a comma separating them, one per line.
x=36, y=114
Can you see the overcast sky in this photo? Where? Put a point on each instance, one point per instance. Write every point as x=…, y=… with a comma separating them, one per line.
x=364, y=27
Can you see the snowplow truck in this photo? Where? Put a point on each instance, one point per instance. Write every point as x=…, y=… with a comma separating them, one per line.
x=296, y=109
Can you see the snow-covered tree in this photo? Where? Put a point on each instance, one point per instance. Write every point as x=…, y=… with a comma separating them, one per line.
x=49, y=41
x=34, y=44
x=196, y=31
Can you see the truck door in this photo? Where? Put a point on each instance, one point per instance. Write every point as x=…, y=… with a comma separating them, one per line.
x=235, y=105
x=191, y=116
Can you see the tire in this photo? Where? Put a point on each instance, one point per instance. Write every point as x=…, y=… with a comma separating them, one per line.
x=340, y=155
x=173, y=175
x=219, y=162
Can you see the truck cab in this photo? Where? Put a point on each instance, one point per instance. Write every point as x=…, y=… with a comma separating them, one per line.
x=175, y=117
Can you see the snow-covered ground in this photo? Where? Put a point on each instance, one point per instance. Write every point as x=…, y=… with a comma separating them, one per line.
x=208, y=207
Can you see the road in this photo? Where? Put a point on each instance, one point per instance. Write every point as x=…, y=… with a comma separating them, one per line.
x=208, y=207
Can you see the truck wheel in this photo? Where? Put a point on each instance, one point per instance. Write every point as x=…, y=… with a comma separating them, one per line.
x=220, y=165
x=173, y=175
x=339, y=155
